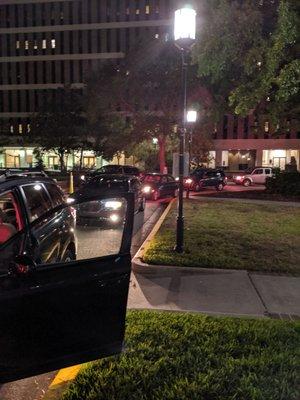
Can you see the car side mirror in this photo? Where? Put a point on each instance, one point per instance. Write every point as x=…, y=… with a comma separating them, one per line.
x=22, y=265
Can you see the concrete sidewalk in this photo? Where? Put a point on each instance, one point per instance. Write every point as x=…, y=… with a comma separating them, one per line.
x=236, y=293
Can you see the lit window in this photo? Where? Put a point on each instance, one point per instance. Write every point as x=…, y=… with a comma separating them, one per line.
x=44, y=44
x=147, y=11
x=11, y=128
x=35, y=45
x=26, y=45
x=137, y=11
x=28, y=127
x=156, y=35
x=52, y=43
x=267, y=126
x=20, y=128
x=17, y=44
x=127, y=11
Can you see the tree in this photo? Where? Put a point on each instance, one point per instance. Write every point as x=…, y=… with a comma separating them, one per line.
x=147, y=87
x=246, y=55
x=60, y=126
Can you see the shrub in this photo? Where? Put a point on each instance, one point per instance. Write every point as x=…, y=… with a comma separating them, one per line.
x=284, y=183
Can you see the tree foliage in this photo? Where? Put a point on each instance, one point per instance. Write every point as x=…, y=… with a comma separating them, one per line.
x=247, y=55
x=146, y=86
x=60, y=126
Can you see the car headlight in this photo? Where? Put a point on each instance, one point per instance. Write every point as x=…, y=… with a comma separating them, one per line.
x=70, y=200
x=147, y=189
x=114, y=218
x=189, y=181
x=113, y=204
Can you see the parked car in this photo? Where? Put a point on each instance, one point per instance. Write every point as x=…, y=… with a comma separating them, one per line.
x=257, y=175
x=112, y=169
x=157, y=185
x=24, y=200
x=108, y=211
x=204, y=177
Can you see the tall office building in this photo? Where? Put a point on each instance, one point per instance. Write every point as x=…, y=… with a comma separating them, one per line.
x=47, y=44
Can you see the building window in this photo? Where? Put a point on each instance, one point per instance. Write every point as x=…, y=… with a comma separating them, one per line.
x=28, y=127
x=26, y=45
x=44, y=44
x=53, y=44
x=11, y=129
x=20, y=129
x=35, y=45
x=147, y=10
x=267, y=126
x=18, y=44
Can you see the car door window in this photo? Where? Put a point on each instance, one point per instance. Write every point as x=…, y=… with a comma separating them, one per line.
x=37, y=200
x=10, y=217
x=164, y=180
x=56, y=195
x=258, y=171
x=171, y=179
x=267, y=171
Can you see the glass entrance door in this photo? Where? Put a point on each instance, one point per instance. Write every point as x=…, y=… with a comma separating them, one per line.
x=279, y=162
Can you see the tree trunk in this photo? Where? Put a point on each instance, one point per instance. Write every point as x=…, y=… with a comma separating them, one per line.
x=61, y=160
x=81, y=158
x=162, y=153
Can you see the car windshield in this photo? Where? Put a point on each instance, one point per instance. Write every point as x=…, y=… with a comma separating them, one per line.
x=152, y=178
x=109, y=182
x=110, y=169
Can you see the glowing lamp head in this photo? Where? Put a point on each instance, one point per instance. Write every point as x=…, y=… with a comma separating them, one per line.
x=185, y=27
x=191, y=116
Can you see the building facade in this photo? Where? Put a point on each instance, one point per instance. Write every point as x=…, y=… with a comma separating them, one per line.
x=46, y=44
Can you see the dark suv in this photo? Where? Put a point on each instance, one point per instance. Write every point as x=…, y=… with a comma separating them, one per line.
x=204, y=177
x=103, y=211
x=28, y=201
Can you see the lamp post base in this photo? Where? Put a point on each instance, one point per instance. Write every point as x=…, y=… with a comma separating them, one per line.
x=179, y=235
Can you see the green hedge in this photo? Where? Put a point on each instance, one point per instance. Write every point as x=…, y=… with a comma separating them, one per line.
x=284, y=183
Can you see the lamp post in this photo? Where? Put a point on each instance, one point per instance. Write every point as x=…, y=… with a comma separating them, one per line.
x=184, y=36
x=191, y=118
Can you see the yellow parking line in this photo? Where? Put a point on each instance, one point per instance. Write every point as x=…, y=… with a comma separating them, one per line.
x=65, y=375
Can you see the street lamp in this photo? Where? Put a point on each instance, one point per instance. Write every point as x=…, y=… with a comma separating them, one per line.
x=184, y=36
x=191, y=118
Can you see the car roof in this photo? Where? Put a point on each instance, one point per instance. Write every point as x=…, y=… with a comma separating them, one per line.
x=15, y=181
x=115, y=177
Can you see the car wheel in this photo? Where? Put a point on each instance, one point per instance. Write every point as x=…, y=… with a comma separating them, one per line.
x=220, y=187
x=142, y=205
x=175, y=194
x=155, y=195
x=247, y=182
x=68, y=256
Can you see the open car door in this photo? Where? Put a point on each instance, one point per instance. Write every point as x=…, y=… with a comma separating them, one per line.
x=72, y=311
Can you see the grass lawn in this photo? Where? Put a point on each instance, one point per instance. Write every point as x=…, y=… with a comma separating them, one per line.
x=220, y=234
x=184, y=356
